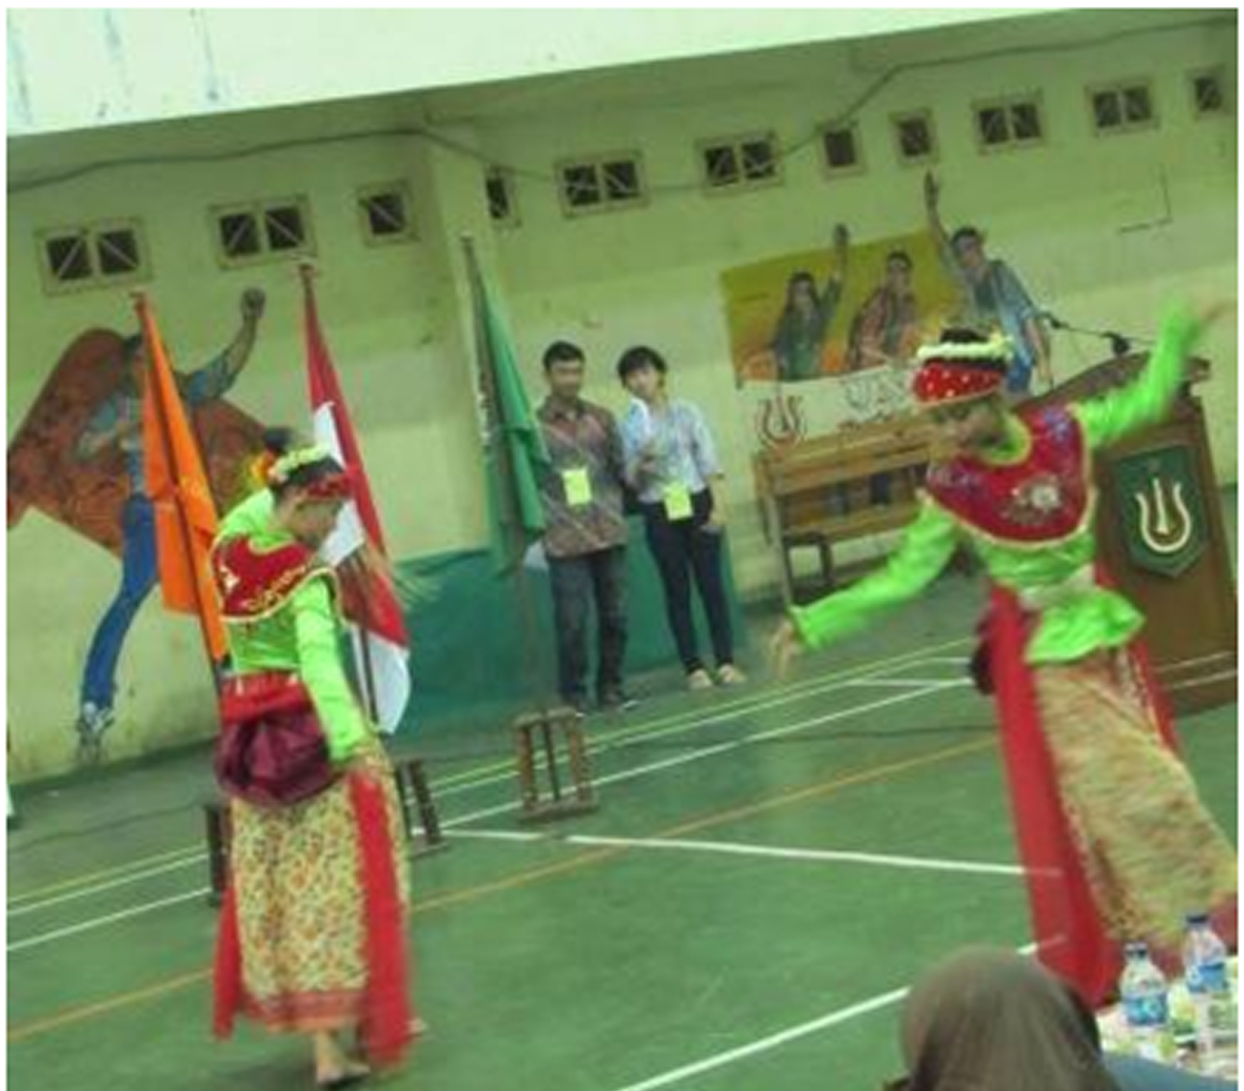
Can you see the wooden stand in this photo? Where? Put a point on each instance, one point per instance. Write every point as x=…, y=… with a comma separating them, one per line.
x=558, y=723
x=1190, y=607
x=416, y=798
x=216, y=823
x=798, y=486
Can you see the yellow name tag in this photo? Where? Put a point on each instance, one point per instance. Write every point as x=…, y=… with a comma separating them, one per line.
x=677, y=503
x=578, y=486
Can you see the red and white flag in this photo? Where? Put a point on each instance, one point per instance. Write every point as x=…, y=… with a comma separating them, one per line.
x=378, y=629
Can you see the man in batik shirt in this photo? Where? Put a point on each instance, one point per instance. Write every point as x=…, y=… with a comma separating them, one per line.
x=585, y=541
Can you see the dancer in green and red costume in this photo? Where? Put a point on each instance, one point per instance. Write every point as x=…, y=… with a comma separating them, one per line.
x=1115, y=842
x=312, y=935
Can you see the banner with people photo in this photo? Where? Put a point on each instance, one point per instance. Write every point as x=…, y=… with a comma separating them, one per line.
x=842, y=322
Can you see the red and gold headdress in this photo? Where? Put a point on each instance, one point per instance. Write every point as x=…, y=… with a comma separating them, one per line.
x=955, y=371
x=330, y=486
x=336, y=486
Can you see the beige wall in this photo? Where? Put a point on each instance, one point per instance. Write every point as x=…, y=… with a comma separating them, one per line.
x=393, y=318
x=149, y=64
x=1083, y=219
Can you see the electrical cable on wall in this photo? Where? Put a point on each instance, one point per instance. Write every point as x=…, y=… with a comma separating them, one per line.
x=518, y=171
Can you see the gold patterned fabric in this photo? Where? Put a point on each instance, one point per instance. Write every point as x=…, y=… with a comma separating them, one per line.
x=1151, y=852
x=296, y=872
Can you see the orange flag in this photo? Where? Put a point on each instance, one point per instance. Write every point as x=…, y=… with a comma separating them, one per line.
x=185, y=514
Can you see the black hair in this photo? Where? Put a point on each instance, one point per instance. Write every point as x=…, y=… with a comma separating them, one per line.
x=964, y=233
x=801, y=276
x=561, y=352
x=278, y=442
x=966, y=335
x=637, y=357
x=899, y=255
x=961, y=335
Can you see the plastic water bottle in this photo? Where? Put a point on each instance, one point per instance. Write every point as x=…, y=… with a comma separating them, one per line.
x=1144, y=993
x=1209, y=987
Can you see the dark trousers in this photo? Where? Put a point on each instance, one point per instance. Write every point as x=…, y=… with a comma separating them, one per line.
x=576, y=581
x=684, y=550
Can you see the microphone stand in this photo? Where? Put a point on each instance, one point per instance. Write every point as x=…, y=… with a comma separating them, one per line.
x=1120, y=344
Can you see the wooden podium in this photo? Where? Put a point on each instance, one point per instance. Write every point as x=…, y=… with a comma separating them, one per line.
x=1162, y=539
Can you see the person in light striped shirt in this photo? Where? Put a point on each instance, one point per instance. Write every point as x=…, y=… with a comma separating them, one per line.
x=671, y=461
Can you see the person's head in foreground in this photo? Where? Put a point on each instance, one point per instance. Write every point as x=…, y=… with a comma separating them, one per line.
x=988, y=1019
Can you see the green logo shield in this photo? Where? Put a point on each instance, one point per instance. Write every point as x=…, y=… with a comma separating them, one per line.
x=1163, y=513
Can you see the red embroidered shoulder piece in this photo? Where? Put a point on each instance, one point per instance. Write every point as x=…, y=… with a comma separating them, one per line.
x=254, y=584
x=1043, y=498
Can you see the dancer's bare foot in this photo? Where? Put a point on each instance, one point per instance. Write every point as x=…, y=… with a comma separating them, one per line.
x=333, y=1067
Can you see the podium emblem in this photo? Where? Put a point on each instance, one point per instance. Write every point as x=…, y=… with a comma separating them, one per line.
x=1163, y=514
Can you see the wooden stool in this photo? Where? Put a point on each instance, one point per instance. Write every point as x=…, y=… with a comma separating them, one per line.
x=216, y=822
x=815, y=539
x=415, y=796
x=550, y=724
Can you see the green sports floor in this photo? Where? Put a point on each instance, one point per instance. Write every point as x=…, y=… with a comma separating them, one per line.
x=770, y=867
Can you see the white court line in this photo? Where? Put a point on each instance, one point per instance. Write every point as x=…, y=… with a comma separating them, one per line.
x=506, y=808
x=489, y=812
x=799, y=691
x=109, y=885
x=669, y=725
x=99, y=922
x=735, y=848
x=612, y=778
x=507, y=835
x=700, y=754
x=899, y=683
x=762, y=1045
x=719, y=1060
x=117, y=870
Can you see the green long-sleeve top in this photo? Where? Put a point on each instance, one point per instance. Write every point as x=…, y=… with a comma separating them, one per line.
x=1075, y=619
x=301, y=636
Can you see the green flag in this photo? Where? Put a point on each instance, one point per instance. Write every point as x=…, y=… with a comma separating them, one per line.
x=514, y=451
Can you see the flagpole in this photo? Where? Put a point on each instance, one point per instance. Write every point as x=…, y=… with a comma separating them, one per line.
x=361, y=630
x=537, y=662
x=147, y=324
x=353, y=565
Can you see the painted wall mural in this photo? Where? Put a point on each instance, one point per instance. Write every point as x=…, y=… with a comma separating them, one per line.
x=77, y=459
